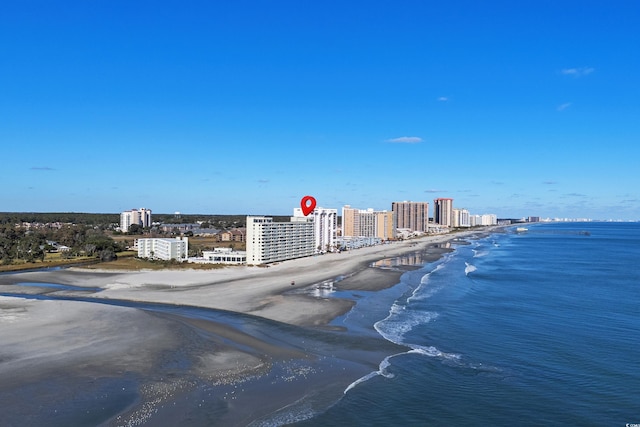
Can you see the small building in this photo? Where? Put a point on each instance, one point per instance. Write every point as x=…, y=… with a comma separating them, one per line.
x=206, y=232
x=222, y=256
x=350, y=242
x=236, y=235
x=57, y=247
x=179, y=228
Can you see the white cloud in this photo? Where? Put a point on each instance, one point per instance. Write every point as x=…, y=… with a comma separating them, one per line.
x=443, y=99
x=564, y=106
x=577, y=72
x=405, y=140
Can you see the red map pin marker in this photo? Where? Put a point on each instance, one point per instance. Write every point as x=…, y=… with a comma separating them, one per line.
x=308, y=204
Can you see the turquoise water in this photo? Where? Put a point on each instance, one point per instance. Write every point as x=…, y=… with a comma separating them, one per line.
x=535, y=328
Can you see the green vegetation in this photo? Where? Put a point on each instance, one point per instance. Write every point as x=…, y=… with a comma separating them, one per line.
x=20, y=244
x=110, y=220
x=100, y=219
x=35, y=240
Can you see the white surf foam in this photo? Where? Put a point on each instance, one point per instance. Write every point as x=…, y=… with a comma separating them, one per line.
x=400, y=321
x=382, y=371
x=477, y=253
x=423, y=291
x=469, y=268
x=416, y=349
x=431, y=351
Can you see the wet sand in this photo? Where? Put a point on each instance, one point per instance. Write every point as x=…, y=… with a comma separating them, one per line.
x=166, y=343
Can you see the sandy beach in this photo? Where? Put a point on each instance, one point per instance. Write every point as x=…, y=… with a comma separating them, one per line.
x=146, y=345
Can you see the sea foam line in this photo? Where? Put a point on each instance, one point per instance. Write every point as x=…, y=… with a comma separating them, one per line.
x=416, y=349
x=418, y=293
x=382, y=371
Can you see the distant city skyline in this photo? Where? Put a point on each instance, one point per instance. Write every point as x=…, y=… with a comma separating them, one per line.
x=517, y=109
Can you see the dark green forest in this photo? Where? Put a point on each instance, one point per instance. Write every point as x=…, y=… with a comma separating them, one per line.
x=30, y=245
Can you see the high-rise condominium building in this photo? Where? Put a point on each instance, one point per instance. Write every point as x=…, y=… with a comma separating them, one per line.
x=325, y=226
x=367, y=223
x=483, y=220
x=443, y=212
x=141, y=217
x=461, y=218
x=269, y=241
x=411, y=215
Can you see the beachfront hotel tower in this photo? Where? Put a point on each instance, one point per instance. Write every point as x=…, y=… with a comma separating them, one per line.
x=269, y=241
x=141, y=217
x=461, y=218
x=443, y=212
x=413, y=216
x=367, y=223
x=325, y=226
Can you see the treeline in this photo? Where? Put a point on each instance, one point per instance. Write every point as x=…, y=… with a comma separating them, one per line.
x=23, y=244
x=214, y=221
x=104, y=220
x=100, y=219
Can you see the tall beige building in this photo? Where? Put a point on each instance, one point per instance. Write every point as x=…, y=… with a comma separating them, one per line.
x=141, y=217
x=350, y=221
x=367, y=223
x=384, y=225
x=443, y=211
x=411, y=215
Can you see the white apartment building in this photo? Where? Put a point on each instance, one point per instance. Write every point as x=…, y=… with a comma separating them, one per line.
x=165, y=249
x=325, y=226
x=141, y=216
x=483, y=220
x=269, y=241
x=461, y=218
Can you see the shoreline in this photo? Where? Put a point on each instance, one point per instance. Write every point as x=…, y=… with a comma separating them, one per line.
x=216, y=348
x=261, y=291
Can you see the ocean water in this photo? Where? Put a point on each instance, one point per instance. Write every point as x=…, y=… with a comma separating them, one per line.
x=530, y=329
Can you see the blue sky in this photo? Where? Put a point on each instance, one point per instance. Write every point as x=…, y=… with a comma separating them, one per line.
x=515, y=108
